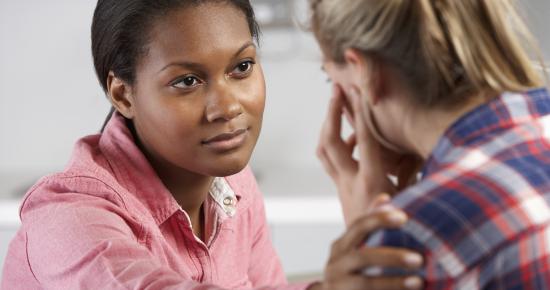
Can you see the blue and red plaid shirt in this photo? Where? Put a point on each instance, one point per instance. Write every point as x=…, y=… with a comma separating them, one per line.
x=481, y=212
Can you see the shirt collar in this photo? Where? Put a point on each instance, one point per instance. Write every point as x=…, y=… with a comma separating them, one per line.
x=134, y=172
x=479, y=125
x=224, y=196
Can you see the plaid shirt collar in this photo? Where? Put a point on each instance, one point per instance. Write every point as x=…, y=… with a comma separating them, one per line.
x=482, y=123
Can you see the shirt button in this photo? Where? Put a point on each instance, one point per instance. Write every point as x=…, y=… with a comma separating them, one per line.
x=227, y=201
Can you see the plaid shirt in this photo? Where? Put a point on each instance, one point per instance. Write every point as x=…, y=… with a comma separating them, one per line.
x=481, y=213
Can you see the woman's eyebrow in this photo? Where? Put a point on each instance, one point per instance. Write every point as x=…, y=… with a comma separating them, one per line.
x=245, y=46
x=198, y=66
x=185, y=64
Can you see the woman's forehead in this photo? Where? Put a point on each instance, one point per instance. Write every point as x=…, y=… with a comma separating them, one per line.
x=199, y=32
x=195, y=26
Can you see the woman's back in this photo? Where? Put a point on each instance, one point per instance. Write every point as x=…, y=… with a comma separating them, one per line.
x=481, y=212
x=452, y=83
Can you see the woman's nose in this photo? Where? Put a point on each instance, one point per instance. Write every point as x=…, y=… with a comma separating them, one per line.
x=223, y=106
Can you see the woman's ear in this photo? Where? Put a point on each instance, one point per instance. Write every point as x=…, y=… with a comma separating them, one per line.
x=367, y=74
x=120, y=95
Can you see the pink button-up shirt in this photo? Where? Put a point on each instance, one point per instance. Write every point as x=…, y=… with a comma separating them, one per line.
x=108, y=222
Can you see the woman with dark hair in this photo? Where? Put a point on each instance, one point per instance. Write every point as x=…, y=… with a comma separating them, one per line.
x=163, y=198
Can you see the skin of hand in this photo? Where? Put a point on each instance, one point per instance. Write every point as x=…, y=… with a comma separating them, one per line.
x=360, y=181
x=348, y=257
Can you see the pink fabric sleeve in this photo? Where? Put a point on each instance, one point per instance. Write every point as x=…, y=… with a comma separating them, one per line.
x=83, y=242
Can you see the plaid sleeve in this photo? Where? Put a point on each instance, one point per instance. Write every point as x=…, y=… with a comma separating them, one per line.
x=434, y=275
x=522, y=263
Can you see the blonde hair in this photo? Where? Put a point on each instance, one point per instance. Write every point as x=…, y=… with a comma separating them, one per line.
x=445, y=49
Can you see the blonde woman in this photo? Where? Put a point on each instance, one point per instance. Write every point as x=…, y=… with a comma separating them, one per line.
x=450, y=82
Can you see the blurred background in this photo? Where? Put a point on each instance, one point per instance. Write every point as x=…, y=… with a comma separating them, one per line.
x=49, y=98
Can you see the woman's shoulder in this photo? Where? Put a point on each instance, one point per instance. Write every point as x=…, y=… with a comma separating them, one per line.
x=88, y=157
x=87, y=177
x=87, y=172
x=476, y=212
x=70, y=189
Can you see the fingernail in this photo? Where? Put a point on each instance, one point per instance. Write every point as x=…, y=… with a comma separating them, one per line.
x=386, y=207
x=382, y=198
x=397, y=217
x=413, y=283
x=413, y=259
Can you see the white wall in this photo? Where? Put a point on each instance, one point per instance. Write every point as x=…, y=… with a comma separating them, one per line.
x=536, y=13
x=48, y=93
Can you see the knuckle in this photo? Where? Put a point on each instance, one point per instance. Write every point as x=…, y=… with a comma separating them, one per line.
x=337, y=247
x=321, y=152
x=377, y=283
x=386, y=282
x=367, y=221
x=357, y=222
x=360, y=260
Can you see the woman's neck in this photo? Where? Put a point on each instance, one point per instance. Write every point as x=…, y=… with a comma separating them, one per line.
x=424, y=127
x=189, y=189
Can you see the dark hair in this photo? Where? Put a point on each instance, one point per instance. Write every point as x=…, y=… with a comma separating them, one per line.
x=120, y=31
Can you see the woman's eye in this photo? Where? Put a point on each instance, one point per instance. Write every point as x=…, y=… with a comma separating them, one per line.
x=186, y=82
x=243, y=67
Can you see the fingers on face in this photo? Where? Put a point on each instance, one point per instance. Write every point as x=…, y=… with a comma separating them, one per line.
x=331, y=128
x=333, y=123
x=325, y=160
x=349, y=111
x=351, y=141
x=360, y=124
x=334, y=152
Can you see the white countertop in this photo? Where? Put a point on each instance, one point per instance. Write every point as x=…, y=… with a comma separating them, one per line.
x=9, y=213
x=279, y=210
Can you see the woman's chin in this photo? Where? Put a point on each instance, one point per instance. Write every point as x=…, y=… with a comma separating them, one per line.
x=228, y=167
x=223, y=172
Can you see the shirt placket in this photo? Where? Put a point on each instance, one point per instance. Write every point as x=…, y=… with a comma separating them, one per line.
x=200, y=253
x=224, y=206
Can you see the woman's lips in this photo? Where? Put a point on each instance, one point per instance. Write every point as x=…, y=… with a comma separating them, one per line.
x=227, y=141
